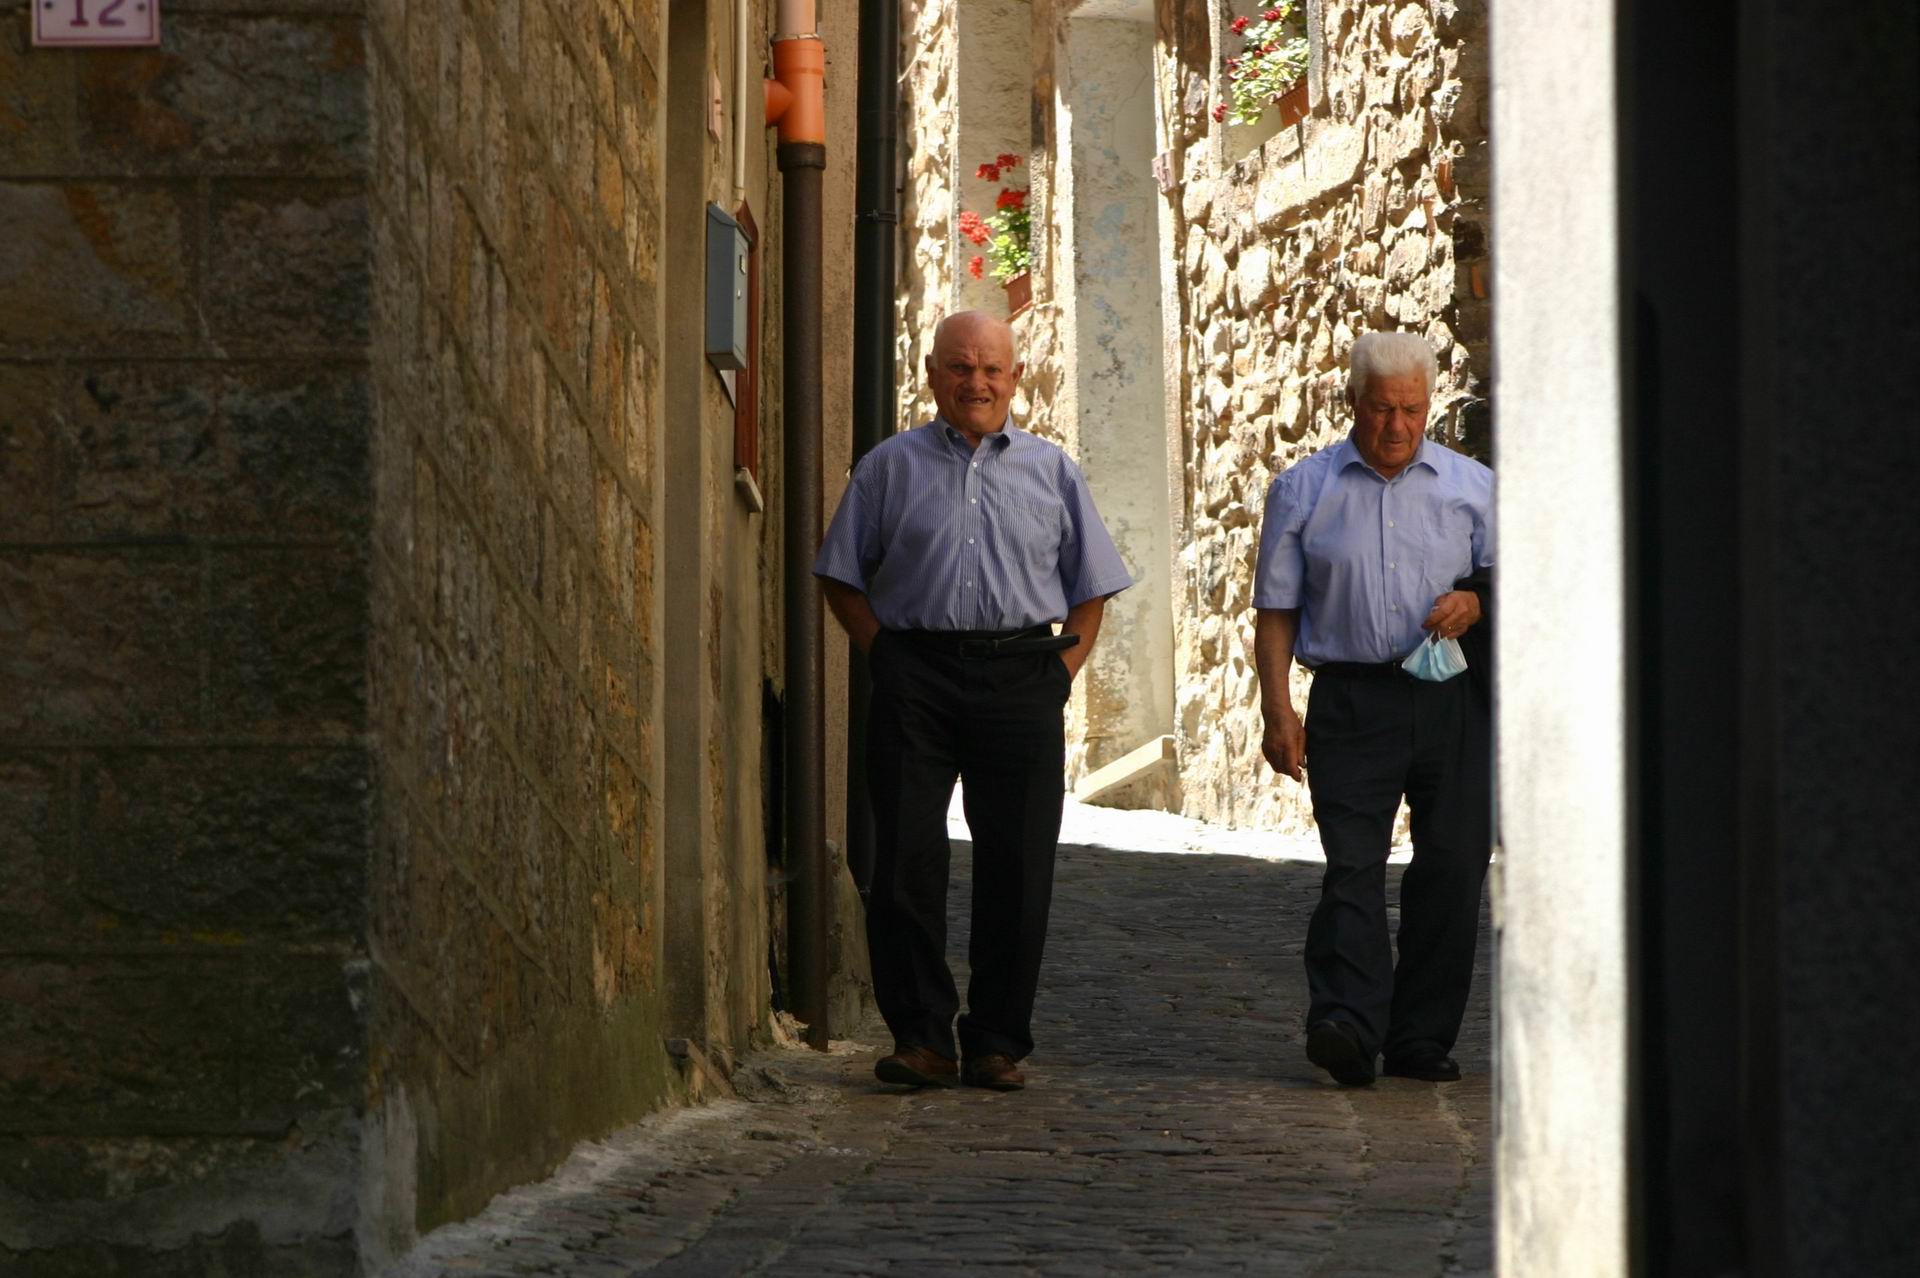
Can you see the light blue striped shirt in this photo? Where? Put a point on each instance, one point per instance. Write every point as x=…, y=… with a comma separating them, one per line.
x=1363, y=558
x=940, y=536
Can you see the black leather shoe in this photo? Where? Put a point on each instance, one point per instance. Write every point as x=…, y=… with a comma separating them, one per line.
x=1335, y=1047
x=916, y=1067
x=1430, y=1069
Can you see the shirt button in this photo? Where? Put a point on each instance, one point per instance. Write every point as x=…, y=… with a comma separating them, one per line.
x=969, y=583
x=1389, y=523
x=973, y=501
x=969, y=541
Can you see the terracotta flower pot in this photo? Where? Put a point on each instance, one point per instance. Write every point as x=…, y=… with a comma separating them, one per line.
x=1019, y=293
x=1292, y=105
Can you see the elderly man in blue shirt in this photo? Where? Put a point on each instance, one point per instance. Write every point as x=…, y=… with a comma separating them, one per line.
x=1362, y=549
x=955, y=548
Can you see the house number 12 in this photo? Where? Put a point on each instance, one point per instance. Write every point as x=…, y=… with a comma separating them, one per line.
x=95, y=23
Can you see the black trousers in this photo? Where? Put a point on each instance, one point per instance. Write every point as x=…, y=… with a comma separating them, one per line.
x=1370, y=740
x=995, y=724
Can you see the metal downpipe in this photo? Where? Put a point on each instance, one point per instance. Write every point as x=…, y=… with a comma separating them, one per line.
x=799, y=64
x=875, y=234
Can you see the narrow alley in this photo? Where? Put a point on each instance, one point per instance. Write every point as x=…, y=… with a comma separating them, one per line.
x=1170, y=1120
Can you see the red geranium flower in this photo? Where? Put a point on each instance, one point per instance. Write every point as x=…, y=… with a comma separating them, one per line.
x=1272, y=15
x=1219, y=113
x=1239, y=25
x=987, y=173
x=974, y=228
x=1006, y=161
x=1008, y=199
x=977, y=266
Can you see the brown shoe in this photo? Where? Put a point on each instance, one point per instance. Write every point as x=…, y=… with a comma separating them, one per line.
x=916, y=1067
x=995, y=1070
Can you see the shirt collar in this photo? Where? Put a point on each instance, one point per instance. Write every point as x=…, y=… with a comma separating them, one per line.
x=1349, y=455
x=1001, y=439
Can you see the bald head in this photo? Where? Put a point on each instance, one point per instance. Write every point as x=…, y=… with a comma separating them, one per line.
x=972, y=372
x=973, y=328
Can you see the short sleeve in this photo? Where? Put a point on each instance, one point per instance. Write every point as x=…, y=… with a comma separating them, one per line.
x=1483, y=519
x=1280, y=573
x=850, y=552
x=1090, y=564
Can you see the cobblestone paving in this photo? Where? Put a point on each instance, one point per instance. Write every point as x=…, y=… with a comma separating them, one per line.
x=1170, y=1123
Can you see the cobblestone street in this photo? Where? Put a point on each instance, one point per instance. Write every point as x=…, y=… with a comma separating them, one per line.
x=1170, y=1121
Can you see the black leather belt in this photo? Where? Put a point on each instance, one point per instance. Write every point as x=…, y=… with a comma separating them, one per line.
x=1362, y=669
x=990, y=643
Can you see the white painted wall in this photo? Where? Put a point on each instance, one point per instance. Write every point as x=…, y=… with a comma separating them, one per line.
x=1561, y=880
x=1115, y=361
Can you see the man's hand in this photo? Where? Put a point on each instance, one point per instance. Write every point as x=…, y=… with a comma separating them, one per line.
x=1285, y=743
x=1083, y=619
x=1453, y=613
x=851, y=609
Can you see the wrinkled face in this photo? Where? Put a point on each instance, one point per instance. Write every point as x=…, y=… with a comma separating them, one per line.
x=1389, y=420
x=972, y=374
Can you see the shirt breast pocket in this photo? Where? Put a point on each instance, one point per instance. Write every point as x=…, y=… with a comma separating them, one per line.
x=1029, y=534
x=1448, y=536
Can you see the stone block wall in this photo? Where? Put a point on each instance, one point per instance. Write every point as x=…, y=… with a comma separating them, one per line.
x=1366, y=217
x=515, y=880
x=185, y=423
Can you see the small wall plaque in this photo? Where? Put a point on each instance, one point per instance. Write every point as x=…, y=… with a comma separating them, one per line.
x=96, y=23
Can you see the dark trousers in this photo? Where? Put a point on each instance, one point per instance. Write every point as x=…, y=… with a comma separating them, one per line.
x=1370, y=740
x=994, y=723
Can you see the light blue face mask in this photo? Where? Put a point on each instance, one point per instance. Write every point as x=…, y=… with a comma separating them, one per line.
x=1436, y=660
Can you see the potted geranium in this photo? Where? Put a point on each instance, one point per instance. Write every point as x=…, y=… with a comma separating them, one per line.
x=1270, y=71
x=1006, y=234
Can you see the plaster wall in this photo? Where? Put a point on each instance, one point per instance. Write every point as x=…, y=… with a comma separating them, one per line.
x=1110, y=234
x=850, y=993
x=1562, y=877
x=993, y=51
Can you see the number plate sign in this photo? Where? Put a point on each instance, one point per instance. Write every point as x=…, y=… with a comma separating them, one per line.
x=96, y=23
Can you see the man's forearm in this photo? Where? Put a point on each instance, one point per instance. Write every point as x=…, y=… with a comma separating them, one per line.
x=1273, y=634
x=1083, y=619
x=851, y=609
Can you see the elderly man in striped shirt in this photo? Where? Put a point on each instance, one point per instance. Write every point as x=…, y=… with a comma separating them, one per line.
x=957, y=546
x=1364, y=548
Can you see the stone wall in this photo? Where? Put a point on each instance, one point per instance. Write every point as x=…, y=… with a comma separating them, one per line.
x=1368, y=215
x=516, y=878
x=930, y=251
x=1344, y=225
x=340, y=662
x=185, y=417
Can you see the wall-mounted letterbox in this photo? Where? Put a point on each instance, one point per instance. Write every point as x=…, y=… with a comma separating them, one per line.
x=726, y=290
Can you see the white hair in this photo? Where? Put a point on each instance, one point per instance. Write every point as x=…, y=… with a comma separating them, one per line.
x=1389, y=355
